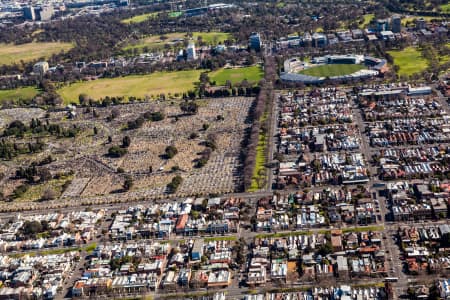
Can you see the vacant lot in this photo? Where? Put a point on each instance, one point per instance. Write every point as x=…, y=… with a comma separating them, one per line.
x=137, y=86
x=332, y=70
x=409, y=60
x=10, y=53
x=158, y=41
x=18, y=94
x=251, y=74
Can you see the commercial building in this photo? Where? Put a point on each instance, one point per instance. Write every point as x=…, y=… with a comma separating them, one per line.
x=396, y=24
x=190, y=51
x=421, y=24
x=28, y=13
x=40, y=68
x=255, y=42
x=43, y=13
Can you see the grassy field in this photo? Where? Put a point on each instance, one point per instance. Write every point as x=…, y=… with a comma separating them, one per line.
x=322, y=231
x=252, y=74
x=136, y=85
x=35, y=192
x=220, y=238
x=26, y=93
x=88, y=248
x=445, y=8
x=444, y=58
x=155, y=41
x=411, y=21
x=363, y=228
x=259, y=172
x=175, y=14
x=366, y=20
x=10, y=53
x=139, y=18
x=409, y=60
x=332, y=70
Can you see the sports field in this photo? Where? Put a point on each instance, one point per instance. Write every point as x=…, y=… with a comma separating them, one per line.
x=158, y=41
x=136, y=85
x=332, y=70
x=252, y=74
x=26, y=93
x=139, y=18
x=409, y=60
x=10, y=53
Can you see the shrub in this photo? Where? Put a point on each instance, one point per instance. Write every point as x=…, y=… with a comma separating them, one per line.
x=116, y=151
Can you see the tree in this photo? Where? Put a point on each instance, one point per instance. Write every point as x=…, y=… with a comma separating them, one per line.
x=31, y=228
x=20, y=190
x=174, y=184
x=170, y=151
x=115, y=113
x=16, y=128
x=44, y=175
x=189, y=107
x=83, y=99
x=116, y=151
x=325, y=249
x=204, y=78
x=48, y=194
x=128, y=183
x=154, y=116
x=126, y=141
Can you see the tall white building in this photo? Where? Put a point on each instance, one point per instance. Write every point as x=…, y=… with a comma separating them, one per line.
x=191, y=54
x=40, y=68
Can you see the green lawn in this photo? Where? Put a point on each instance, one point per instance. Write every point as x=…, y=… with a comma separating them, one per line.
x=26, y=93
x=176, y=14
x=363, y=228
x=88, y=248
x=409, y=60
x=158, y=41
x=411, y=21
x=252, y=74
x=220, y=238
x=140, y=18
x=34, y=192
x=367, y=18
x=136, y=85
x=322, y=231
x=332, y=70
x=445, y=8
x=259, y=172
x=10, y=53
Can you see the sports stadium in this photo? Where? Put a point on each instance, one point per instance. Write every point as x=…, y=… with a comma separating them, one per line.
x=332, y=67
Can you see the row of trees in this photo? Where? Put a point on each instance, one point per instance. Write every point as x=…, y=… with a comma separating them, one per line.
x=18, y=128
x=8, y=150
x=262, y=106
